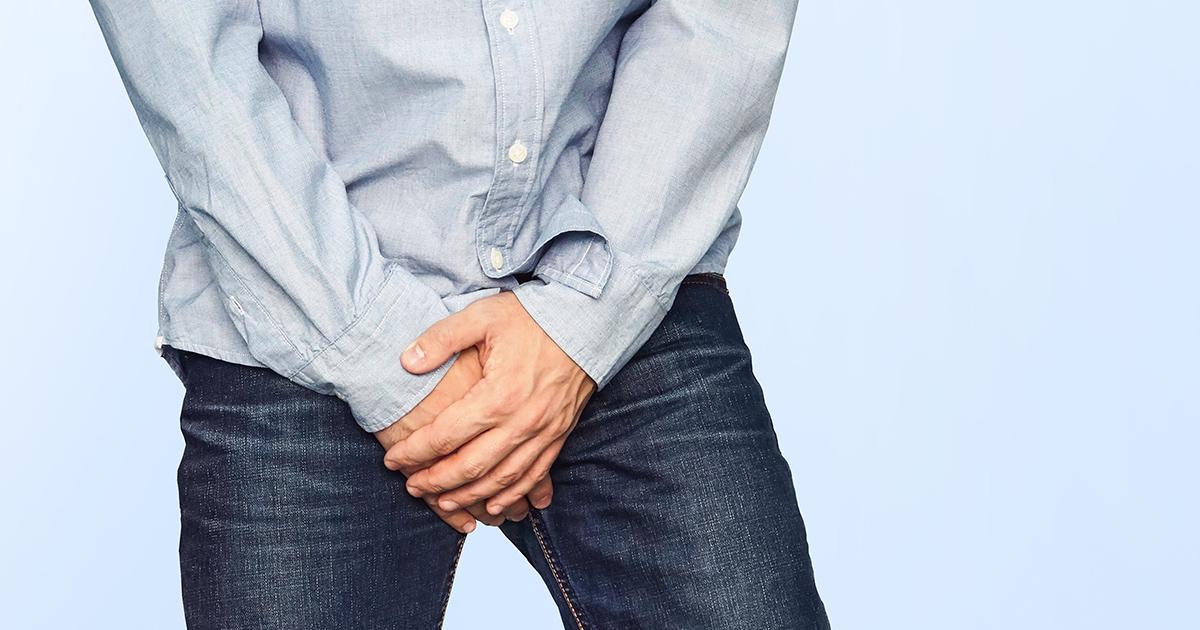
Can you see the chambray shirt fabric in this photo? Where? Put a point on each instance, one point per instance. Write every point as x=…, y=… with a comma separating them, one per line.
x=349, y=173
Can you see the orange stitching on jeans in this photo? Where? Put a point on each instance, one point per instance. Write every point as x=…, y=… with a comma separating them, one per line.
x=708, y=278
x=558, y=579
x=450, y=580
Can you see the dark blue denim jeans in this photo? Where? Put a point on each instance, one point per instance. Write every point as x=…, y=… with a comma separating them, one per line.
x=673, y=507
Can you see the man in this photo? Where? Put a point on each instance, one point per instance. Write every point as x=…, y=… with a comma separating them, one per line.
x=489, y=237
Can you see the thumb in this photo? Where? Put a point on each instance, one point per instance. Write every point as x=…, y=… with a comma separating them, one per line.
x=433, y=347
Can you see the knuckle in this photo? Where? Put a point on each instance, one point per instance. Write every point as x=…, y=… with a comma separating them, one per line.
x=507, y=500
x=506, y=478
x=473, y=469
x=466, y=498
x=441, y=444
x=435, y=339
x=529, y=428
x=479, y=422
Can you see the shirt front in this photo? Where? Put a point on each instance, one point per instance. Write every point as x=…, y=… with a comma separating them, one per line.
x=347, y=174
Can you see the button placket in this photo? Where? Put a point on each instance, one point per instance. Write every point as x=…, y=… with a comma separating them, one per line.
x=518, y=75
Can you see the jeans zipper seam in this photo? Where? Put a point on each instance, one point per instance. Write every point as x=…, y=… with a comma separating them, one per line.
x=559, y=578
x=450, y=581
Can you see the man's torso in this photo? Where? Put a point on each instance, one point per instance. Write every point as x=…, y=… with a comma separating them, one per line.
x=425, y=110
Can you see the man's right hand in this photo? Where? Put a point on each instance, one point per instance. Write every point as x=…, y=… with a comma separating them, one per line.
x=461, y=376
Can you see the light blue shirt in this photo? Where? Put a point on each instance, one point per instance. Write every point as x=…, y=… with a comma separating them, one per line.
x=348, y=173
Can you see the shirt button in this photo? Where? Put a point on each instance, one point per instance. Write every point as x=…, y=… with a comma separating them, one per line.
x=517, y=152
x=497, y=258
x=509, y=19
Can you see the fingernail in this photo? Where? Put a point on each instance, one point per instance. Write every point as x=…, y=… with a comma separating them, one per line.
x=413, y=352
x=469, y=527
x=521, y=517
x=448, y=505
x=495, y=508
x=541, y=503
x=412, y=490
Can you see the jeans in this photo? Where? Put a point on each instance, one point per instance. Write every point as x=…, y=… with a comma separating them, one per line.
x=673, y=507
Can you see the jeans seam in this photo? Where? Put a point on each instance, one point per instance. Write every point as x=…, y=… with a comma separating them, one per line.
x=708, y=278
x=450, y=581
x=560, y=576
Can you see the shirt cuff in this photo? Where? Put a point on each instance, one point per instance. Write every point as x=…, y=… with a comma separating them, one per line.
x=362, y=365
x=601, y=334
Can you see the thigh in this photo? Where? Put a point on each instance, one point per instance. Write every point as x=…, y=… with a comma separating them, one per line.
x=673, y=506
x=289, y=519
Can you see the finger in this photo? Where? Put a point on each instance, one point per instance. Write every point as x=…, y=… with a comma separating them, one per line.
x=458, y=423
x=469, y=463
x=517, y=511
x=460, y=520
x=479, y=511
x=502, y=475
x=542, y=493
x=445, y=337
x=532, y=477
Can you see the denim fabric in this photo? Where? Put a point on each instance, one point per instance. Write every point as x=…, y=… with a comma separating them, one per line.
x=349, y=173
x=673, y=507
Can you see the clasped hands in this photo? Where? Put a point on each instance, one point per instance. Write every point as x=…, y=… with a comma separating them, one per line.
x=480, y=444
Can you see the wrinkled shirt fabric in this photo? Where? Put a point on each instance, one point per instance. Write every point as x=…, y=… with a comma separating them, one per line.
x=347, y=174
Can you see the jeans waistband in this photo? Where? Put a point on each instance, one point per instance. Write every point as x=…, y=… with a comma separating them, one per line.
x=707, y=276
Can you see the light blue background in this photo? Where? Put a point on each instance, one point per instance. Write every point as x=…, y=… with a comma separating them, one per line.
x=983, y=360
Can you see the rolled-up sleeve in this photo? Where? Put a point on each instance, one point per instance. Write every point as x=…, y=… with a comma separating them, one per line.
x=299, y=266
x=692, y=96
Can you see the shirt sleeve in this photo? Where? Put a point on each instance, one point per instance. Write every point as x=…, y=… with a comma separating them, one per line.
x=693, y=90
x=300, y=267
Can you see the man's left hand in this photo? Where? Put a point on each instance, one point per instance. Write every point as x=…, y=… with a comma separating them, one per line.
x=498, y=441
